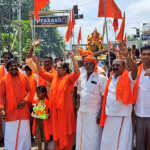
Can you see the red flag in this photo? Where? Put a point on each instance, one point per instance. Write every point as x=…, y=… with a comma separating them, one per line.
x=69, y=33
x=121, y=32
x=79, y=36
x=38, y=5
x=111, y=9
x=71, y=25
x=115, y=24
x=125, y=39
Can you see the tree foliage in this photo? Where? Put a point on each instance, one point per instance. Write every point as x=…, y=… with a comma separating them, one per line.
x=53, y=42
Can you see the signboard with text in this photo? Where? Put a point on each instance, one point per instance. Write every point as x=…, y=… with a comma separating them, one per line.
x=52, y=21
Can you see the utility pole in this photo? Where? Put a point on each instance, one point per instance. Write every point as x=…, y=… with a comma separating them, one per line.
x=20, y=25
x=104, y=4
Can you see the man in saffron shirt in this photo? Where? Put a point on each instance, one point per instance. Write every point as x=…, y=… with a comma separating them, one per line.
x=3, y=71
x=48, y=67
x=14, y=95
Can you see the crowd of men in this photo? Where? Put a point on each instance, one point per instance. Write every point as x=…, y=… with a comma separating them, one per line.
x=88, y=107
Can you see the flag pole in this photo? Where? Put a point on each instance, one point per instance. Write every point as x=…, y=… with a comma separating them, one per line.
x=104, y=4
x=81, y=36
x=73, y=36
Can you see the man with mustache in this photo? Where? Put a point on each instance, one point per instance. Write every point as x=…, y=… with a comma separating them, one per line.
x=90, y=90
x=3, y=71
x=117, y=106
x=47, y=65
x=14, y=96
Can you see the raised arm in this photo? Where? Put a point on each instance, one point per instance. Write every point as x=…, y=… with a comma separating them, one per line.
x=131, y=66
x=75, y=63
x=75, y=75
x=130, y=61
x=100, y=53
x=35, y=43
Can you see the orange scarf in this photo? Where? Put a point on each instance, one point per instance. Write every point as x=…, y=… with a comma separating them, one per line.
x=2, y=71
x=85, y=52
x=10, y=95
x=57, y=91
x=136, y=86
x=123, y=93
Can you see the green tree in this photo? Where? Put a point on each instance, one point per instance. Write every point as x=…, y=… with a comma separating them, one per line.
x=53, y=42
x=10, y=40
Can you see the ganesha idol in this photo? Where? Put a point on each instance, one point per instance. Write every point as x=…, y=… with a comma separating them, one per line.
x=95, y=41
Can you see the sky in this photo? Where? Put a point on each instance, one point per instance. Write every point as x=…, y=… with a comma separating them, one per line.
x=137, y=13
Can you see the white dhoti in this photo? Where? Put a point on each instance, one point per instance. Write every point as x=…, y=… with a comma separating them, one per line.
x=117, y=134
x=17, y=135
x=88, y=136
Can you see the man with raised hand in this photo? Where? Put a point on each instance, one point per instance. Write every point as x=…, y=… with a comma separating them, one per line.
x=117, y=105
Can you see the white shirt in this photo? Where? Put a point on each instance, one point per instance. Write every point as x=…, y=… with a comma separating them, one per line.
x=82, y=70
x=114, y=107
x=142, y=107
x=91, y=91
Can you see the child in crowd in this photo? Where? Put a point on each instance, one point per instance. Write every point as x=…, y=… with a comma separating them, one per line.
x=40, y=114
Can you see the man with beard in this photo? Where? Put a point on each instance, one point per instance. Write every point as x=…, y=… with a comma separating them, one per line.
x=117, y=107
x=14, y=96
x=3, y=71
x=91, y=86
x=47, y=65
x=142, y=98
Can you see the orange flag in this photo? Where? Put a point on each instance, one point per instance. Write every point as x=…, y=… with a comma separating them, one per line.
x=111, y=9
x=121, y=32
x=71, y=25
x=38, y=5
x=69, y=33
x=115, y=24
x=79, y=36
